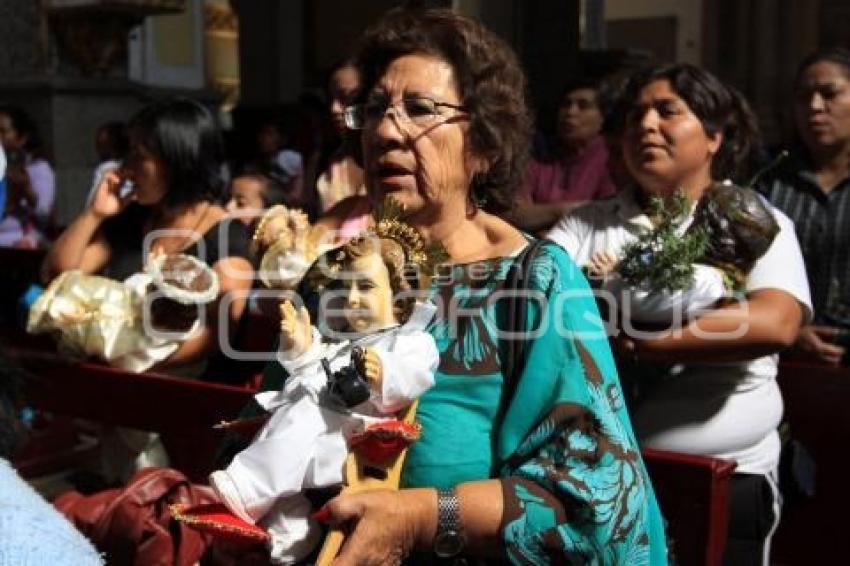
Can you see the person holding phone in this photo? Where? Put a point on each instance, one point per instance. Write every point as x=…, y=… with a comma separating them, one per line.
x=175, y=206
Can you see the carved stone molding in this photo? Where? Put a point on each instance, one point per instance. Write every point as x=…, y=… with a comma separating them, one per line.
x=136, y=8
x=91, y=35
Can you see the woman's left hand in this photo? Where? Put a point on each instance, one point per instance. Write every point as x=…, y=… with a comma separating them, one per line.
x=383, y=526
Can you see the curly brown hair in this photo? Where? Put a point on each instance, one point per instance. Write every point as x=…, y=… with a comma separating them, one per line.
x=491, y=83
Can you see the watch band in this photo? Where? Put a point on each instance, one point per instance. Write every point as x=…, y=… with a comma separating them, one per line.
x=449, y=541
x=448, y=510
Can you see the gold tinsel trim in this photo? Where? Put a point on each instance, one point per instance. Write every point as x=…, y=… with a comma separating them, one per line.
x=178, y=512
x=389, y=224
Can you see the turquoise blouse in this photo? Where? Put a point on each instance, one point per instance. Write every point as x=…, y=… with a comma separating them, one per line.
x=575, y=488
x=574, y=485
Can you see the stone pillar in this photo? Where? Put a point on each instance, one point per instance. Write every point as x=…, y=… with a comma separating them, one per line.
x=271, y=50
x=65, y=62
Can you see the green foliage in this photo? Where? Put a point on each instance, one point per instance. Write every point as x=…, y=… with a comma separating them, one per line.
x=661, y=258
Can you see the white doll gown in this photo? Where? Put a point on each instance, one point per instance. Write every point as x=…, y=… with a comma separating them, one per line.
x=100, y=317
x=303, y=444
x=657, y=306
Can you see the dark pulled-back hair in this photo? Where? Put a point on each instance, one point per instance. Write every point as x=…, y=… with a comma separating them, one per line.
x=184, y=136
x=836, y=55
x=602, y=88
x=273, y=191
x=720, y=109
x=116, y=133
x=25, y=125
x=490, y=81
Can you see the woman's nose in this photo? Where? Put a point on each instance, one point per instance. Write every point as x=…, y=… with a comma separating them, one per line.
x=389, y=127
x=648, y=121
x=816, y=102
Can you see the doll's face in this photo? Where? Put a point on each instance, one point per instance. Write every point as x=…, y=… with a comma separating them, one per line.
x=368, y=294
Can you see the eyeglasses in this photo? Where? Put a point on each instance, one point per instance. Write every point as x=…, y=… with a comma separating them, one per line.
x=420, y=111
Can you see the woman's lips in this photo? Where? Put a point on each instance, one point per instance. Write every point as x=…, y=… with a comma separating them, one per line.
x=392, y=174
x=651, y=149
x=817, y=125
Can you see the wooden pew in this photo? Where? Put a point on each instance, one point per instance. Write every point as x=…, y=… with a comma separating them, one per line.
x=817, y=406
x=692, y=490
x=693, y=493
x=181, y=410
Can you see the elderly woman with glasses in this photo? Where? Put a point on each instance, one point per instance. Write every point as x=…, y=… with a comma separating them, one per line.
x=546, y=470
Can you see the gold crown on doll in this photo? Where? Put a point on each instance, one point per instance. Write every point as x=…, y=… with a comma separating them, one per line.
x=389, y=225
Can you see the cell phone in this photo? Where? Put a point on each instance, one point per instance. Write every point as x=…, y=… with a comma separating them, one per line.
x=126, y=188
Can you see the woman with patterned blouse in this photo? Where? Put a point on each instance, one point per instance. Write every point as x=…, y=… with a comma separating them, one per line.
x=557, y=476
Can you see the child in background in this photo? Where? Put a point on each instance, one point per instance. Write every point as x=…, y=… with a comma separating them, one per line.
x=251, y=193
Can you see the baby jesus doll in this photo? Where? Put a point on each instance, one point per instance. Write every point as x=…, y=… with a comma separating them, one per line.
x=305, y=442
x=284, y=246
x=132, y=324
x=678, y=270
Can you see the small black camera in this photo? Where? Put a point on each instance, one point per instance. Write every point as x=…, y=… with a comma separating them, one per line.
x=348, y=386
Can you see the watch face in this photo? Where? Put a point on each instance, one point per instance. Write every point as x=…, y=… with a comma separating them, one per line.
x=448, y=544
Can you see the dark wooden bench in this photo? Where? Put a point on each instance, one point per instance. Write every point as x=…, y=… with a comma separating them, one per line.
x=692, y=490
x=693, y=493
x=182, y=411
x=817, y=407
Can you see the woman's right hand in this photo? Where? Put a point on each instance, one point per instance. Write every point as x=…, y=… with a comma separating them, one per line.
x=817, y=344
x=107, y=201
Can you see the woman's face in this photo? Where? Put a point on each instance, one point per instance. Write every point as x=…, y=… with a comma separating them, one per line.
x=343, y=87
x=10, y=138
x=579, y=117
x=148, y=174
x=426, y=169
x=665, y=145
x=822, y=106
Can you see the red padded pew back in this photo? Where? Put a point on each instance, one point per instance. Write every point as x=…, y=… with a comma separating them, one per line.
x=817, y=406
x=181, y=410
x=693, y=493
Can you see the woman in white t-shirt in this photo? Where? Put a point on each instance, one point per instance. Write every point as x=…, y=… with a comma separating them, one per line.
x=682, y=129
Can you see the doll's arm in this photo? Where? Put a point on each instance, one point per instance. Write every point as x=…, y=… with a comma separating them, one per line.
x=296, y=334
x=602, y=264
x=407, y=370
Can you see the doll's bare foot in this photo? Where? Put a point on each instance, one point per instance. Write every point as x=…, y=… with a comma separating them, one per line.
x=226, y=491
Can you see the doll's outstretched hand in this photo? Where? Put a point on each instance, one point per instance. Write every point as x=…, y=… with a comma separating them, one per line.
x=602, y=264
x=295, y=332
x=370, y=366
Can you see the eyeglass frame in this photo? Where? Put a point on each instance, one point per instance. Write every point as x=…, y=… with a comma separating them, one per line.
x=401, y=115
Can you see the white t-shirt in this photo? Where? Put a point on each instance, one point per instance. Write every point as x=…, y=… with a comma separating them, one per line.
x=728, y=410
